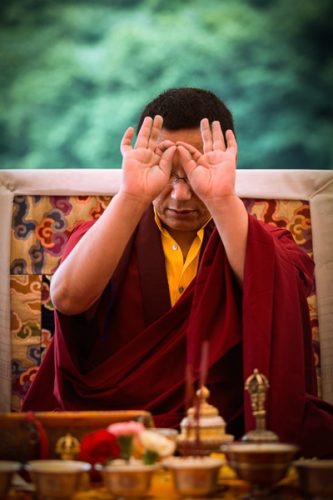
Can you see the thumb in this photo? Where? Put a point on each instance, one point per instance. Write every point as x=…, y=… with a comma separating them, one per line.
x=166, y=159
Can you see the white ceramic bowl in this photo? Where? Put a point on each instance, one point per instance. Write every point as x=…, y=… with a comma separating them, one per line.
x=56, y=478
x=7, y=470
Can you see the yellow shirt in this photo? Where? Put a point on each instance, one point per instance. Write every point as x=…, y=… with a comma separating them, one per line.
x=180, y=273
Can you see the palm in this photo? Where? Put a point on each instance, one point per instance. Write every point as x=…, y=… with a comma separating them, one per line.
x=145, y=170
x=211, y=173
x=214, y=174
x=142, y=172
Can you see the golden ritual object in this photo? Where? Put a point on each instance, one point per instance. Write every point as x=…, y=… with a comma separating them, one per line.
x=260, y=458
x=203, y=429
x=257, y=386
x=67, y=447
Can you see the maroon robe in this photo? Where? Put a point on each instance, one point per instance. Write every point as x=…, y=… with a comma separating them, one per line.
x=130, y=350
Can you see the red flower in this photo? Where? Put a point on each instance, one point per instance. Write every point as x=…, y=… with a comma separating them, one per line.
x=99, y=446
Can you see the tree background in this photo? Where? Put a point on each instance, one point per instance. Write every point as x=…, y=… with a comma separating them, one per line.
x=74, y=74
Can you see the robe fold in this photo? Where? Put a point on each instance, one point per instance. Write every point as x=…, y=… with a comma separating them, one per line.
x=130, y=350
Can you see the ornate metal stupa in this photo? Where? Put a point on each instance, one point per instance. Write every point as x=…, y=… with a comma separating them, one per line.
x=203, y=429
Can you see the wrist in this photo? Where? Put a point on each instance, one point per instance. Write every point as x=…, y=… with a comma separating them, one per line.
x=224, y=202
x=132, y=201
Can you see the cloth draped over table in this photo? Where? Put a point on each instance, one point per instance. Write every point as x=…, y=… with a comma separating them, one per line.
x=130, y=350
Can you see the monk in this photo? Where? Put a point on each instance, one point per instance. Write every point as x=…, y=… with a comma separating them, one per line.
x=175, y=261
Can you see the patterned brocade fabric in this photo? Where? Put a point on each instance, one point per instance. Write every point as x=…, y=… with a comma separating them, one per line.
x=41, y=226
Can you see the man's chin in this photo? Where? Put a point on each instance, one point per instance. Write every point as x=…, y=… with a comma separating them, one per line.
x=181, y=226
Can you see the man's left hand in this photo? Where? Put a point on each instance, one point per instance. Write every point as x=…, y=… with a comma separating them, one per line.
x=212, y=173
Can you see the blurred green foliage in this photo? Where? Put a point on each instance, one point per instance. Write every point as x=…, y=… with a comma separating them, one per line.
x=75, y=74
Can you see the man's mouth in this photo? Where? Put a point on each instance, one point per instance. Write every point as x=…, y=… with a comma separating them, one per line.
x=181, y=213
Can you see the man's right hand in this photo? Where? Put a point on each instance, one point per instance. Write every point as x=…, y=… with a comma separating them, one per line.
x=80, y=280
x=146, y=168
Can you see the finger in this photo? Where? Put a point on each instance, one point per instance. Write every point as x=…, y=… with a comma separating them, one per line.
x=126, y=142
x=155, y=131
x=144, y=133
x=206, y=135
x=218, y=138
x=163, y=146
x=188, y=162
x=231, y=142
x=194, y=152
x=166, y=159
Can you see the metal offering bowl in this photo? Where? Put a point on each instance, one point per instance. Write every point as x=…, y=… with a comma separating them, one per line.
x=261, y=464
x=194, y=476
x=127, y=480
x=315, y=477
x=7, y=470
x=56, y=478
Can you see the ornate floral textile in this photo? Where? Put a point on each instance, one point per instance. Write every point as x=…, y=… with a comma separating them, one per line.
x=40, y=229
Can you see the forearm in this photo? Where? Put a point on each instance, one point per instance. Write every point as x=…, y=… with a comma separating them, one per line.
x=84, y=274
x=231, y=220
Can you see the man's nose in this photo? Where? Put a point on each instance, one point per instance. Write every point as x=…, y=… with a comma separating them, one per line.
x=181, y=190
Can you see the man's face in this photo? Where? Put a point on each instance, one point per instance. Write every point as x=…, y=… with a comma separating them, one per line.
x=178, y=208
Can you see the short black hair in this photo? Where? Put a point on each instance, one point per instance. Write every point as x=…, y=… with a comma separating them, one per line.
x=185, y=107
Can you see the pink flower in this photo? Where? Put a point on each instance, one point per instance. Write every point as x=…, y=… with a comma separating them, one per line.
x=126, y=432
x=126, y=428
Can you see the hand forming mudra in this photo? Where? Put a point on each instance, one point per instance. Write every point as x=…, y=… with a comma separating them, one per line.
x=211, y=173
x=148, y=165
x=146, y=170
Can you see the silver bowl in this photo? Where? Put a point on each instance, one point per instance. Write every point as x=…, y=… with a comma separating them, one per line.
x=261, y=464
x=127, y=480
x=56, y=479
x=194, y=476
x=315, y=477
x=7, y=470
